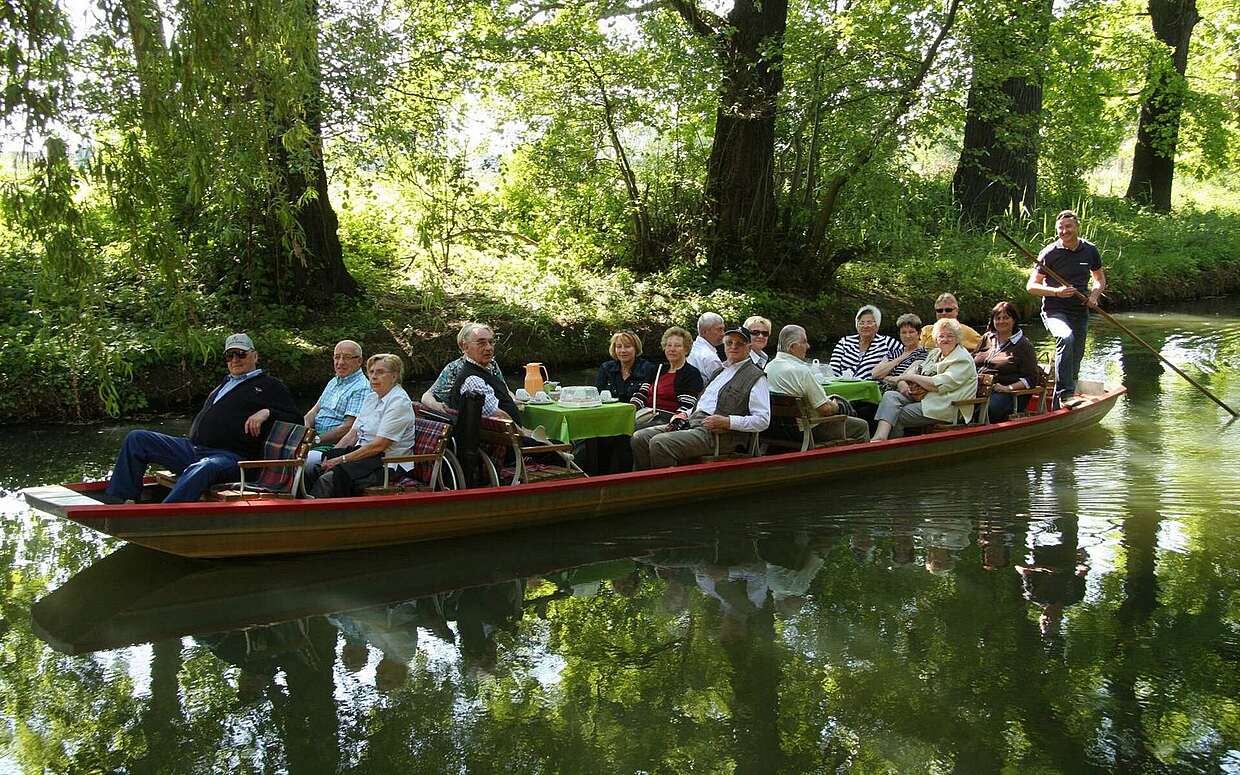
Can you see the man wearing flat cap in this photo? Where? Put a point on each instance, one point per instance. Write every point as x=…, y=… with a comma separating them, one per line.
x=231, y=426
x=735, y=402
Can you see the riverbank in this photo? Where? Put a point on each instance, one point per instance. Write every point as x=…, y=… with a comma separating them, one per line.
x=118, y=357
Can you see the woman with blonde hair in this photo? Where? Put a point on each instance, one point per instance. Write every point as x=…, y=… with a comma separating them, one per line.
x=627, y=370
x=759, y=334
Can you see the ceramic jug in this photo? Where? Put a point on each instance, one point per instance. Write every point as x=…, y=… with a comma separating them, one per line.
x=535, y=377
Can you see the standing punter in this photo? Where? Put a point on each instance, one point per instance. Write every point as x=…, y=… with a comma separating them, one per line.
x=1075, y=260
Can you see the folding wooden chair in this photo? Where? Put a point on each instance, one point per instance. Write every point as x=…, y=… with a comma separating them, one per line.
x=980, y=403
x=1042, y=396
x=496, y=435
x=279, y=472
x=429, y=448
x=791, y=417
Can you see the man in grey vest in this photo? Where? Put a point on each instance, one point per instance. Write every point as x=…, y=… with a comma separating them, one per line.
x=736, y=402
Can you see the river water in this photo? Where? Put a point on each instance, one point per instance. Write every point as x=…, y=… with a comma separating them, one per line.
x=1071, y=608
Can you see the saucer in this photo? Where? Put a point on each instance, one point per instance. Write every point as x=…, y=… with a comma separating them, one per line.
x=612, y=400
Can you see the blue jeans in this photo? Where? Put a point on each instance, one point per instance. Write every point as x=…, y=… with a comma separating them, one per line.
x=197, y=467
x=1069, y=329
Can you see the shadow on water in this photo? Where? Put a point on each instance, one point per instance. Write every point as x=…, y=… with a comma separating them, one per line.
x=1066, y=608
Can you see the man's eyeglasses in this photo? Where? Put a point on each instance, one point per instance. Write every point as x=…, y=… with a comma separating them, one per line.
x=345, y=357
x=944, y=310
x=235, y=355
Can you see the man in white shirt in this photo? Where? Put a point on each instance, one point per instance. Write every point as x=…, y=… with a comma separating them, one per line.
x=736, y=402
x=788, y=374
x=703, y=355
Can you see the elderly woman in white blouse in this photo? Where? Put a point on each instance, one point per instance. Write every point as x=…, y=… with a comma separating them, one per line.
x=384, y=426
x=924, y=396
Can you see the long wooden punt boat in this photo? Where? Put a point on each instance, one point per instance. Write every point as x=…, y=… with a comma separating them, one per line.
x=267, y=527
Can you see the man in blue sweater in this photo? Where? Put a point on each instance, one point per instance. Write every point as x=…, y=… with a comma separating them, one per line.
x=231, y=426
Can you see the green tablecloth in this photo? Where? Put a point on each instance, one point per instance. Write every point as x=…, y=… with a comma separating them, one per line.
x=571, y=424
x=863, y=390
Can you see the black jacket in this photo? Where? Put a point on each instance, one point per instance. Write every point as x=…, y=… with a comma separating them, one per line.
x=222, y=425
x=609, y=378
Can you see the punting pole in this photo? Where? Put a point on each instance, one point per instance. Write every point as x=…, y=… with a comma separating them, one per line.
x=1085, y=300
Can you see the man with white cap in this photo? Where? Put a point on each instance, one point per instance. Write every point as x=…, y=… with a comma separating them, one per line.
x=231, y=426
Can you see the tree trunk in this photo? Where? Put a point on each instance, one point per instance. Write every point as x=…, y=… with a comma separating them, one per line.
x=1153, y=160
x=317, y=261
x=740, y=180
x=998, y=167
x=740, y=174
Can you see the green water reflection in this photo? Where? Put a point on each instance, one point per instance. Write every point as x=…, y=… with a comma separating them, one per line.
x=1065, y=609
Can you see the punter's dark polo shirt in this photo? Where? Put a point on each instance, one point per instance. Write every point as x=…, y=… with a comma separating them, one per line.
x=1074, y=266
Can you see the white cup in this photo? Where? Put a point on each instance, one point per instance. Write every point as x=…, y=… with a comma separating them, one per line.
x=541, y=397
x=523, y=394
x=604, y=395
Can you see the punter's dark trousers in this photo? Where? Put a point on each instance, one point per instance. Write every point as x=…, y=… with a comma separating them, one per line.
x=1069, y=330
x=197, y=468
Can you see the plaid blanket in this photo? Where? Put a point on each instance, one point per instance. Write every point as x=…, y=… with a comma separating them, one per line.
x=426, y=436
x=281, y=444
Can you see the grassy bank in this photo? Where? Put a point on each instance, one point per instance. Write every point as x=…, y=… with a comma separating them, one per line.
x=553, y=310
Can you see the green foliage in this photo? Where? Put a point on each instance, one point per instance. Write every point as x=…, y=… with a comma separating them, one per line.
x=542, y=167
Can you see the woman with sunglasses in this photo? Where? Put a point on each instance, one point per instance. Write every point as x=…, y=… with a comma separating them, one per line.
x=1007, y=353
x=759, y=334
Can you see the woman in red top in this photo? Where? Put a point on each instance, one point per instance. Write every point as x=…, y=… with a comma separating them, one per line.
x=676, y=388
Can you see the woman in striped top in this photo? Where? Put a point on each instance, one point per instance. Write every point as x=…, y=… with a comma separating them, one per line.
x=911, y=353
x=856, y=356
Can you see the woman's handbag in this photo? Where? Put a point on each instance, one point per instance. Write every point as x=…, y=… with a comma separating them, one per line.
x=648, y=415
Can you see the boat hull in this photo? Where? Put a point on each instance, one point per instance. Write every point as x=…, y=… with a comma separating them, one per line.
x=268, y=527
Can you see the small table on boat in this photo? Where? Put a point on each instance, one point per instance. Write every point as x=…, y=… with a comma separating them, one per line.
x=572, y=423
x=854, y=389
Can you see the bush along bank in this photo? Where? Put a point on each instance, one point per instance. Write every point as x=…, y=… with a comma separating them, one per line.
x=116, y=358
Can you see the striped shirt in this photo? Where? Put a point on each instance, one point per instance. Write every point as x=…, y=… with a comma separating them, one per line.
x=908, y=363
x=847, y=355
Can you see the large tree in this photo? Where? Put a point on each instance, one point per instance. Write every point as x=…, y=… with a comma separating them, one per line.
x=998, y=167
x=1153, y=159
x=740, y=182
x=204, y=128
